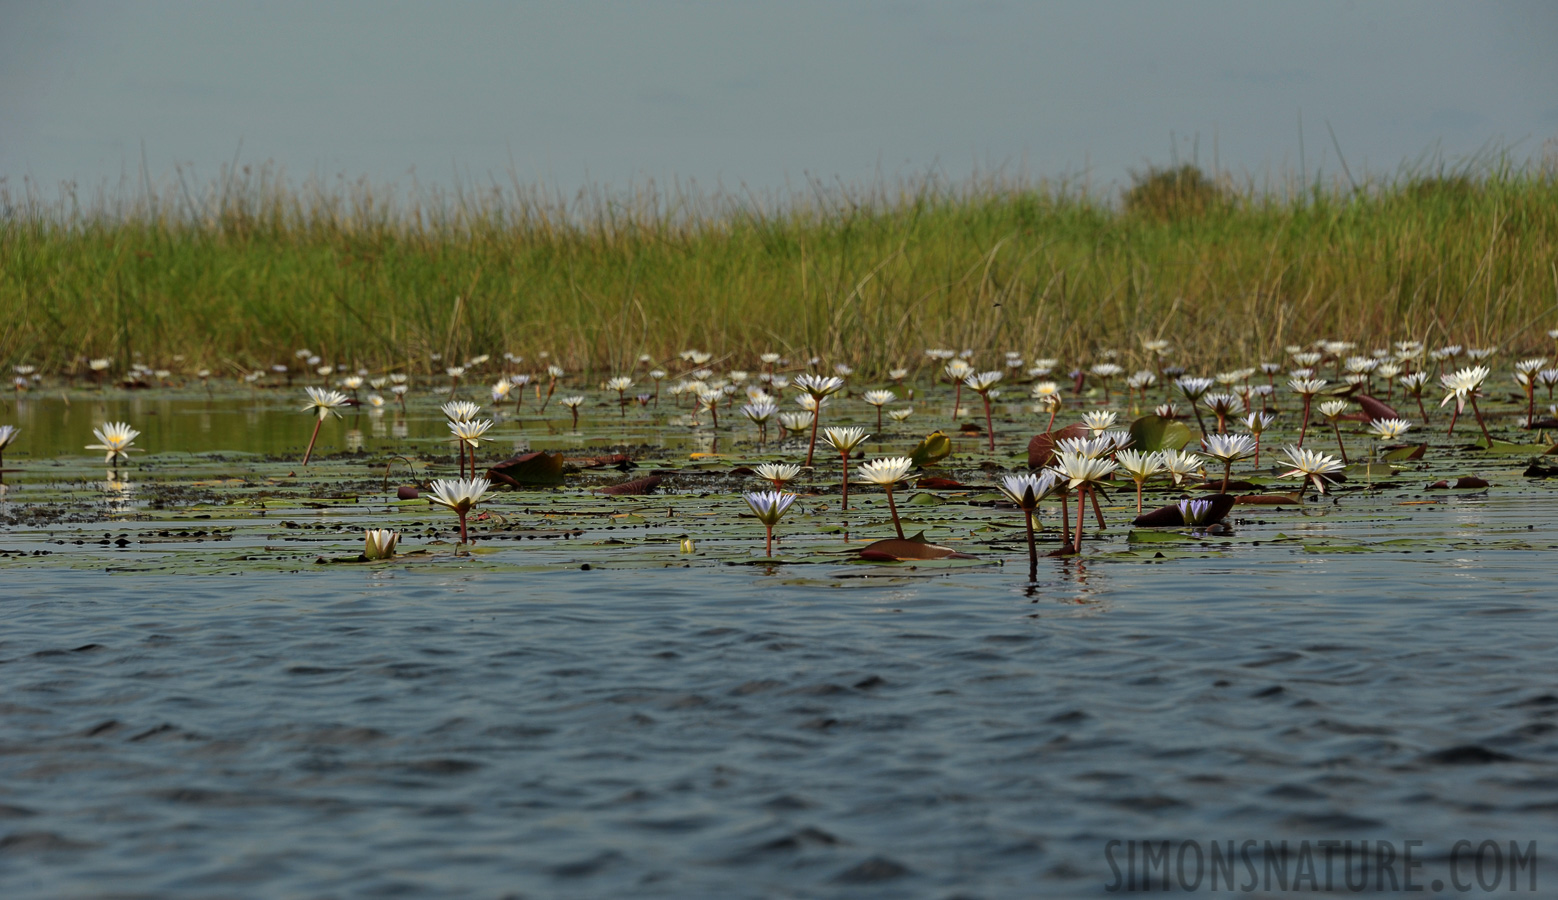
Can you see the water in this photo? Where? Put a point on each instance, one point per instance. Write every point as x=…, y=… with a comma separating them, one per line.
x=206, y=711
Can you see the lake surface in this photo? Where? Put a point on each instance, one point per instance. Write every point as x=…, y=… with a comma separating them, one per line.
x=193, y=706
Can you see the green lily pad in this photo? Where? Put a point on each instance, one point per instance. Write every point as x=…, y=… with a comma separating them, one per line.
x=1150, y=434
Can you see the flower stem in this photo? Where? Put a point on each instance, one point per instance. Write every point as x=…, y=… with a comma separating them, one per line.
x=1339, y=445
x=893, y=508
x=989, y=424
x=1033, y=551
x=1485, y=436
x=314, y=437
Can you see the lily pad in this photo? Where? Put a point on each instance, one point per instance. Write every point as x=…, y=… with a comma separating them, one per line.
x=1041, y=450
x=1150, y=434
x=539, y=467
x=898, y=549
x=935, y=448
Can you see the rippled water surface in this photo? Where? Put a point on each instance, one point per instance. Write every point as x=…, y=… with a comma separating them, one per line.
x=203, y=710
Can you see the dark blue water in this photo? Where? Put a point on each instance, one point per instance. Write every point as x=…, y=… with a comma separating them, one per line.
x=724, y=732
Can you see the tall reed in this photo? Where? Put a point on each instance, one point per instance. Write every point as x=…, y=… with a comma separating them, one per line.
x=238, y=273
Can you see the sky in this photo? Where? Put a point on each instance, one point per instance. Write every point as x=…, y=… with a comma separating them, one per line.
x=764, y=95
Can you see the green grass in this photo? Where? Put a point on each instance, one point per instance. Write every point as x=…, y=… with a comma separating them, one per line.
x=240, y=273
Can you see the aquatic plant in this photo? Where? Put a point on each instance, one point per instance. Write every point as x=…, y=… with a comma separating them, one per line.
x=879, y=399
x=1333, y=410
x=761, y=413
x=379, y=543
x=1306, y=388
x=1462, y=386
x=1082, y=473
x=459, y=494
x=778, y=473
x=1027, y=490
x=844, y=441
x=769, y=507
x=1140, y=466
x=325, y=403
x=1228, y=448
x=819, y=388
x=982, y=384
x=1194, y=512
x=1312, y=466
x=116, y=439
x=887, y=473
x=467, y=436
x=573, y=402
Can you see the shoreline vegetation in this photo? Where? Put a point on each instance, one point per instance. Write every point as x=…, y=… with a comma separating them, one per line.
x=232, y=275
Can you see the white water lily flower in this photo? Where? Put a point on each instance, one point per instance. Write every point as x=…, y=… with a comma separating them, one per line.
x=1230, y=447
x=459, y=494
x=887, y=471
x=1462, y=384
x=1193, y=388
x=819, y=387
x=981, y=382
x=760, y=412
x=572, y=401
x=1140, y=466
x=619, y=384
x=1180, y=465
x=879, y=398
x=1311, y=465
x=1333, y=409
x=324, y=401
x=470, y=432
x=460, y=410
x=1099, y=420
x=844, y=440
x=1027, y=489
x=900, y=415
x=778, y=473
x=1389, y=429
x=1307, y=387
x=769, y=506
x=116, y=438
x=1258, y=422
x=379, y=543
x=795, y=421
x=1079, y=469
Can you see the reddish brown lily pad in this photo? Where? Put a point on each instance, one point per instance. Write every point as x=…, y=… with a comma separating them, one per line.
x=528, y=469
x=407, y=492
x=915, y=548
x=1375, y=409
x=1465, y=481
x=1041, y=450
x=636, y=486
x=941, y=484
x=1267, y=499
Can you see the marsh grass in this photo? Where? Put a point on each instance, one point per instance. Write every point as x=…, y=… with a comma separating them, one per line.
x=238, y=273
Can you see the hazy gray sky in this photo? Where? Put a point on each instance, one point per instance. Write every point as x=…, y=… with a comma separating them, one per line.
x=760, y=93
